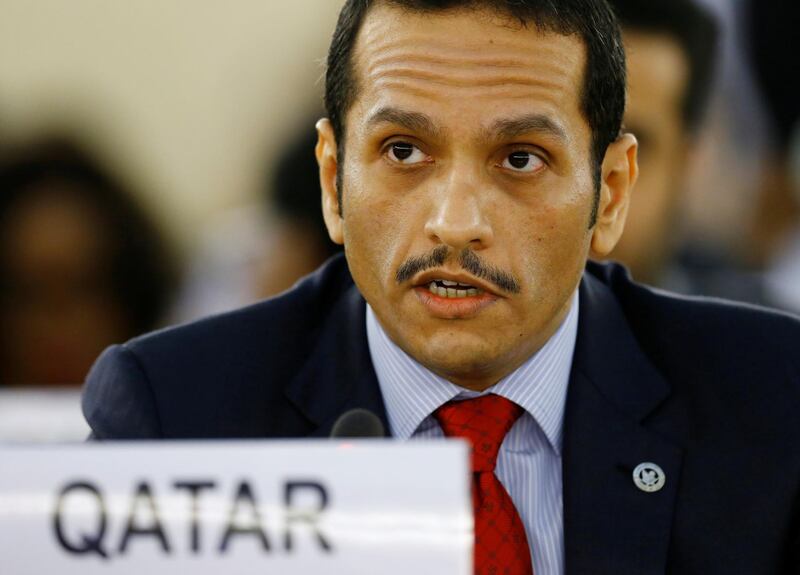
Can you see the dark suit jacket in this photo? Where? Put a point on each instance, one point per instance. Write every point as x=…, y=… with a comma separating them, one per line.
x=709, y=391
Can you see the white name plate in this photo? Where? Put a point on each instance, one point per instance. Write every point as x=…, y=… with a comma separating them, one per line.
x=362, y=506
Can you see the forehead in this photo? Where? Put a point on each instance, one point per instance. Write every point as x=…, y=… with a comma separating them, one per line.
x=474, y=62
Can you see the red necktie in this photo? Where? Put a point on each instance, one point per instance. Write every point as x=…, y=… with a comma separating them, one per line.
x=501, y=546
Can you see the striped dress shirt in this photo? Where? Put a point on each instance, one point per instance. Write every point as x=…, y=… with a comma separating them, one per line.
x=529, y=461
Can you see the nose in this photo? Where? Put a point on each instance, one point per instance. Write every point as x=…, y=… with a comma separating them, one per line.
x=458, y=217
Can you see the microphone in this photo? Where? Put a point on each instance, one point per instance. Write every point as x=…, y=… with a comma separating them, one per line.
x=358, y=423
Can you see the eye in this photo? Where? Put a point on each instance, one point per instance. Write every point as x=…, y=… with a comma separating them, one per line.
x=405, y=153
x=522, y=162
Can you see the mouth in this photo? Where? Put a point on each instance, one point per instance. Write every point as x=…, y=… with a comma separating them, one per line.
x=445, y=284
x=452, y=289
x=453, y=296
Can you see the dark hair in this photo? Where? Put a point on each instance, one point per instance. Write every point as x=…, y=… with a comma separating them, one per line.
x=695, y=31
x=139, y=271
x=773, y=48
x=603, y=95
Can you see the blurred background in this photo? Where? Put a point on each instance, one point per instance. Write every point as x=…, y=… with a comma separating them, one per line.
x=156, y=165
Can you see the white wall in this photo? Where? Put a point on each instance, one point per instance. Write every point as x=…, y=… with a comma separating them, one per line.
x=189, y=98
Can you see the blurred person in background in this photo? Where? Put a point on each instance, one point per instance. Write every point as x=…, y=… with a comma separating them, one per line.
x=294, y=197
x=81, y=265
x=671, y=47
x=253, y=252
x=772, y=30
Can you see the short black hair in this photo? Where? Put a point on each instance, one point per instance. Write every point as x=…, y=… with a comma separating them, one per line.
x=773, y=48
x=695, y=31
x=593, y=21
x=140, y=271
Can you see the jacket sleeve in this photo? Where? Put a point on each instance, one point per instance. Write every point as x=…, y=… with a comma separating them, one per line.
x=118, y=402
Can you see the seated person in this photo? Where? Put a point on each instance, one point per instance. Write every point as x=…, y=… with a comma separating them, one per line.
x=471, y=162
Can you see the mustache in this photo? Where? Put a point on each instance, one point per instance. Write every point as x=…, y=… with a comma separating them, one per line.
x=468, y=260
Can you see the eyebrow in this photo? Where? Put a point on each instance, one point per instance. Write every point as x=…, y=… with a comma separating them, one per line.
x=413, y=121
x=537, y=123
x=502, y=129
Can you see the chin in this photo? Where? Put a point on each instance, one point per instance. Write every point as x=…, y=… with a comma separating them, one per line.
x=468, y=358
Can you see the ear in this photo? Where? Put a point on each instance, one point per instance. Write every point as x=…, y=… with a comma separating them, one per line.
x=618, y=176
x=326, y=152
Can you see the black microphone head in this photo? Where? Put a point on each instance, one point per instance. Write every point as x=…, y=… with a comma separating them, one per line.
x=358, y=423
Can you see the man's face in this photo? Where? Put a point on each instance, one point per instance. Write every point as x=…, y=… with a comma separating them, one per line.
x=658, y=73
x=467, y=174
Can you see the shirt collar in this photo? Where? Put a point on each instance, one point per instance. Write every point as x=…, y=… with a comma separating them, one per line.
x=411, y=392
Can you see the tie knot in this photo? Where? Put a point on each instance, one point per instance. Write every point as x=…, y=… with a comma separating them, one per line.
x=484, y=421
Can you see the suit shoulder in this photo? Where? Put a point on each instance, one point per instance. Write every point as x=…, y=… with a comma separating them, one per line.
x=219, y=376
x=281, y=322
x=761, y=331
x=697, y=318
x=117, y=400
x=733, y=362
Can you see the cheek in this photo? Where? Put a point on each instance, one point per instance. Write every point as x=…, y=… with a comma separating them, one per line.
x=556, y=234
x=653, y=201
x=374, y=237
x=553, y=251
x=648, y=201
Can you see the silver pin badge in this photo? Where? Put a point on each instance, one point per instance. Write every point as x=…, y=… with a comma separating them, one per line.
x=649, y=477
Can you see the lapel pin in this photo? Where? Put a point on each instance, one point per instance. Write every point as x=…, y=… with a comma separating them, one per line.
x=649, y=477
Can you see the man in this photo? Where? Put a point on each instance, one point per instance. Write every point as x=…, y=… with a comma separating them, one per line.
x=471, y=162
x=670, y=47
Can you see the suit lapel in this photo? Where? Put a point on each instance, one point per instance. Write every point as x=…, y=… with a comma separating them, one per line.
x=618, y=414
x=338, y=375
x=616, y=401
